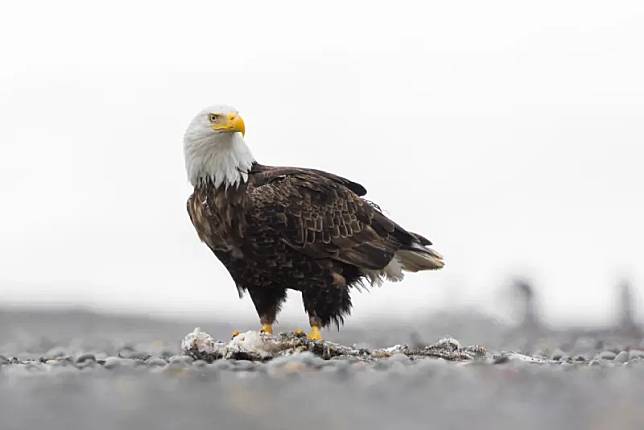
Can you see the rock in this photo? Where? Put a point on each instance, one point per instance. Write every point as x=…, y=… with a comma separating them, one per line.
x=83, y=358
x=636, y=354
x=134, y=355
x=181, y=360
x=606, y=355
x=56, y=352
x=500, y=359
x=199, y=363
x=558, y=355
x=515, y=356
x=155, y=362
x=116, y=362
x=200, y=345
x=622, y=357
x=243, y=365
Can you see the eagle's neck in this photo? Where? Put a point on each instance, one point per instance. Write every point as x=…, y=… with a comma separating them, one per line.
x=223, y=160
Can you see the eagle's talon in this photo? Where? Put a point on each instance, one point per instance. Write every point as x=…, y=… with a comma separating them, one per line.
x=235, y=333
x=266, y=329
x=299, y=332
x=315, y=334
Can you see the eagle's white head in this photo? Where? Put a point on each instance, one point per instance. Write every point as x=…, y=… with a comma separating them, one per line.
x=214, y=147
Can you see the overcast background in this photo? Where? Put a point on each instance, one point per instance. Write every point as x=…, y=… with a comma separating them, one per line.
x=510, y=133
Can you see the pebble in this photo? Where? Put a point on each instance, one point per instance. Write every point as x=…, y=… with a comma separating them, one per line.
x=155, y=362
x=114, y=362
x=81, y=359
x=55, y=352
x=181, y=360
x=622, y=357
x=558, y=355
x=636, y=354
x=57, y=363
x=134, y=355
x=220, y=365
x=241, y=365
x=200, y=363
x=606, y=355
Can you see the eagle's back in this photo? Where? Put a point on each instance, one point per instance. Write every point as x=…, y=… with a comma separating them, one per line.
x=297, y=228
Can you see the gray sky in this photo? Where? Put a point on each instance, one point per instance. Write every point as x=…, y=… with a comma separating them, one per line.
x=509, y=133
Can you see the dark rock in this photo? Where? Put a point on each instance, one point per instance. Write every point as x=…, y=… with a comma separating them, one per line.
x=134, y=355
x=606, y=355
x=85, y=358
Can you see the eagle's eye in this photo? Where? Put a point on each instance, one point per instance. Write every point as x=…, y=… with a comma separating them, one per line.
x=213, y=117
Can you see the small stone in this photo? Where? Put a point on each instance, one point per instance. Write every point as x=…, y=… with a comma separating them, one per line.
x=81, y=359
x=182, y=360
x=501, y=359
x=622, y=357
x=241, y=365
x=308, y=358
x=636, y=354
x=134, y=355
x=57, y=363
x=114, y=362
x=155, y=362
x=200, y=363
x=606, y=355
x=220, y=365
x=56, y=352
x=558, y=355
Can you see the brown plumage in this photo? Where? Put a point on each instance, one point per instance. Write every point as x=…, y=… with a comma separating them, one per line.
x=276, y=228
x=305, y=230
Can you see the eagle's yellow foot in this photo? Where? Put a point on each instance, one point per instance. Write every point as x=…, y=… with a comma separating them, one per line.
x=266, y=329
x=235, y=333
x=315, y=334
x=299, y=332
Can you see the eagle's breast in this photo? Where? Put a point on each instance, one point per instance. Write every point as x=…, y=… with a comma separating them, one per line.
x=218, y=216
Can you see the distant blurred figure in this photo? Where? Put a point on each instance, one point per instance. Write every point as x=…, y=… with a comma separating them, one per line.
x=626, y=308
x=530, y=317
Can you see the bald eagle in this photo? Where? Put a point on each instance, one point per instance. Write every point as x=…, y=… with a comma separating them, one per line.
x=279, y=228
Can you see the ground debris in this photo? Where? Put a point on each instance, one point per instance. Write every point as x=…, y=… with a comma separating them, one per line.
x=256, y=346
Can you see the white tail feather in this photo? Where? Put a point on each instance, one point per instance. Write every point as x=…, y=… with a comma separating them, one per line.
x=409, y=261
x=414, y=261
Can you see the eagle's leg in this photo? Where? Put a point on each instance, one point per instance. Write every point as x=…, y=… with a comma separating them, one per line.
x=325, y=304
x=268, y=302
x=315, y=333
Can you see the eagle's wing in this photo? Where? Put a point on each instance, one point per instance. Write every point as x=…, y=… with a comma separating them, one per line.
x=323, y=216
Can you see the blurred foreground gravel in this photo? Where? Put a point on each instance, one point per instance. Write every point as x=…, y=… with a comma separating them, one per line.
x=97, y=379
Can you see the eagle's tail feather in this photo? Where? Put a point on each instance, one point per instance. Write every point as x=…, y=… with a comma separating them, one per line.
x=419, y=259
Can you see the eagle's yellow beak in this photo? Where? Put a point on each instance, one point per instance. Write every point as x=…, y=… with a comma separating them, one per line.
x=230, y=124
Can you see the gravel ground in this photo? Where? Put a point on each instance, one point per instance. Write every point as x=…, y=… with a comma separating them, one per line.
x=82, y=380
